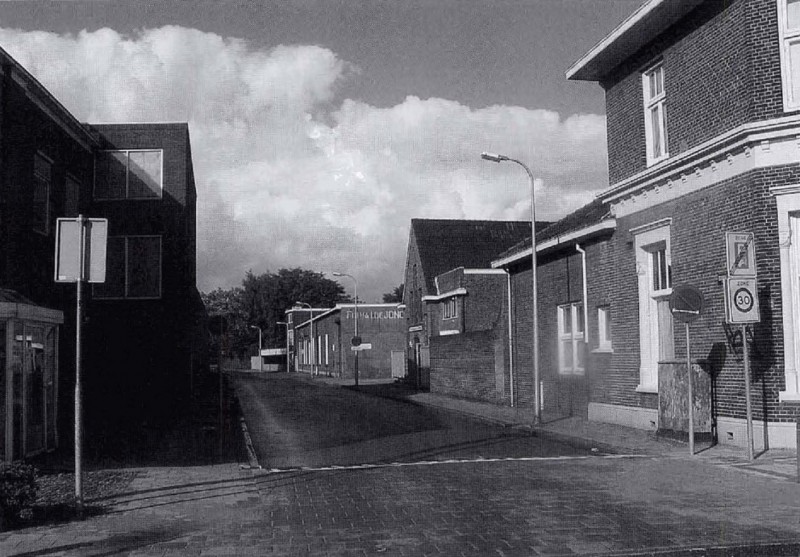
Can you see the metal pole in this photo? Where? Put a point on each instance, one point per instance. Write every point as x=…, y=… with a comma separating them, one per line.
x=78, y=379
x=690, y=381
x=260, y=357
x=746, y=353
x=355, y=305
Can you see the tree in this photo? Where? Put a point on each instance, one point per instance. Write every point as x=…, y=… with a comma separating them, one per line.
x=395, y=296
x=266, y=297
x=228, y=303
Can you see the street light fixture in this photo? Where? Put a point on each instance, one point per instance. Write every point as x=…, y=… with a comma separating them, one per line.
x=355, y=306
x=287, y=342
x=311, y=320
x=537, y=408
x=260, y=357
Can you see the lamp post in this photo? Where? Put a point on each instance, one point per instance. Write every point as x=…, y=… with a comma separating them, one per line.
x=311, y=321
x=537, y=409
x=355, y=308
x=260, y=357
x=287, y=342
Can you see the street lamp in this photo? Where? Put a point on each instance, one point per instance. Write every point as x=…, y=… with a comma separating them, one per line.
x=260, y=357
x=537, y=409
x=311, y=313
x=287, y=342
x=355, y=306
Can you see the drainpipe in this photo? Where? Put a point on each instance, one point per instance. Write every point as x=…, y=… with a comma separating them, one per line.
x=510, y=341
x=585, y=296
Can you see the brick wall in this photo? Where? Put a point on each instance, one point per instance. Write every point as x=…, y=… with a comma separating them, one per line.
x=699, y=223
x=464, y=366
x=721, y=69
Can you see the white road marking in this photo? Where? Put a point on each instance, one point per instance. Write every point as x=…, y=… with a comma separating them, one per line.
x=450, y=461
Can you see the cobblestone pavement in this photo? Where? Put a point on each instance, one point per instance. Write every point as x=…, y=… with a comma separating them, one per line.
x=522, y=497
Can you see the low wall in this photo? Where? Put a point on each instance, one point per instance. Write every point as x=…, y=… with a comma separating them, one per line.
x=466, y=366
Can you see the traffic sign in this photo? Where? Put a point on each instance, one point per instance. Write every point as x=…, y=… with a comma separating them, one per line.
x=360, y=347
x=741, y=253
x=70, y=252
x=355, y=341
x=741, y=301
x=686, y=303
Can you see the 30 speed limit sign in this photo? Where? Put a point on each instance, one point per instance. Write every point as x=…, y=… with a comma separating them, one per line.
x=741, y=303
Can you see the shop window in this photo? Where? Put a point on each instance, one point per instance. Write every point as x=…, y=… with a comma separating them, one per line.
x=128, y=175
x=655, y=114
x=133, y=268
x=42, y=174
x=570, y=339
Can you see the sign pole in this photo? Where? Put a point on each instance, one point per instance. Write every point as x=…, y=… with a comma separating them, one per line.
x=746, y=354
x=690, y=380
x=78, y=380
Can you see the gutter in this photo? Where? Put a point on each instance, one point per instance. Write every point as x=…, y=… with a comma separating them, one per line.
x=585, y=297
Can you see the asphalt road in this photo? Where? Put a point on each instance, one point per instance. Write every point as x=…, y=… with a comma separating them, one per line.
x=297, y=423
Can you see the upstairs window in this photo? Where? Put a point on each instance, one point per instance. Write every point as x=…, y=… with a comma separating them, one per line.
x=450, y=309
x=42, y=172
x=72, y=196
x=128, y=175
x=655, y=114
x=789, y=30
x=133, y=268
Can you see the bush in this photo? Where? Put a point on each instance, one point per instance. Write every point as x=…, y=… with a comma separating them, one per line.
x=18, y=487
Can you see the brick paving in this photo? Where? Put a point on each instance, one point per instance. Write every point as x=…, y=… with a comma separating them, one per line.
x=573, y=504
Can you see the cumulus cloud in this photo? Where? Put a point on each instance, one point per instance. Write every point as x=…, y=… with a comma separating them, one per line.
x=288, y=174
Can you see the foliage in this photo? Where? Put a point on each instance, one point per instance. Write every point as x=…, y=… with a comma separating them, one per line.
x=18, y=487
x=395, y=296
x=266, y=298
x=262, y=301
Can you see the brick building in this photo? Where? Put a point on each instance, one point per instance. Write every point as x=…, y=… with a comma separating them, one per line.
x=435, y=247
x=142, y=327
x=573, y=256
x=295, y=317
x=327, y=351
x=702, y=102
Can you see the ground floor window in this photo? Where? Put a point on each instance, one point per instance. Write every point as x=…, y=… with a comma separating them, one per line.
x=570, y=339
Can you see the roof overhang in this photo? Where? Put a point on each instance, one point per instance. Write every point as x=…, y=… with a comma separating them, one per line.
x=650, y=20
x=558, y=241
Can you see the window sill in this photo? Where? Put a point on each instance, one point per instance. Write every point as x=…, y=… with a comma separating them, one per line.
x=649, y=389
x=603, y=350
x=786, y=396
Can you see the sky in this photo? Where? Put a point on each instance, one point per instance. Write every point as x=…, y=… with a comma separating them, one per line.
x=319, y=129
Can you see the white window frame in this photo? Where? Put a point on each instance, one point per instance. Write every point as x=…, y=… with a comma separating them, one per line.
x=127, y=196
x=787, y=37
x=655, y=101
x=604, y=329
x=450, y=309
x=326, y=349
x=48, y=182
x=574, y=338
x=647, y=239
x=788, y=209
x=126, y=295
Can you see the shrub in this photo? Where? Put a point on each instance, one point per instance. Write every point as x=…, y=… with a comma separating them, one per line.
x=18, y=487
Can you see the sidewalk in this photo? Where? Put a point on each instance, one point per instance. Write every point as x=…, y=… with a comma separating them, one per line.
x=779, y=464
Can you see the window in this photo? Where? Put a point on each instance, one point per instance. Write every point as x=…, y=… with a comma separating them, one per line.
x=450, y=309
x=570, y=339
x=42, y=169
x=133, y=268
x=655, y=115
x=789, y=30
x=128, y=175
x=604, y=329
x=326, y=349
x=662, y=269
x=72, y=195
x=788, y=219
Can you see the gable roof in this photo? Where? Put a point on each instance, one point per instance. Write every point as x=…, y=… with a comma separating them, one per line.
x=446, y=244
x=586, y=219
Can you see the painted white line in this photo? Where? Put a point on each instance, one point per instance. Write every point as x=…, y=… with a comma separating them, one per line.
x=450, y=461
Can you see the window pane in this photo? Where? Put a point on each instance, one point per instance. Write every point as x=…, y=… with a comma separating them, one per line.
x=144, y=267
x=72, y=198
x=145, y=174
x=794, y=70
x=111, y=172
x=114, y=286
x=651, y=82
x=41, y=194
x=655, y=130
x=566, y=352
x=578, y=312
x=793, y=14
x=578, y=355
